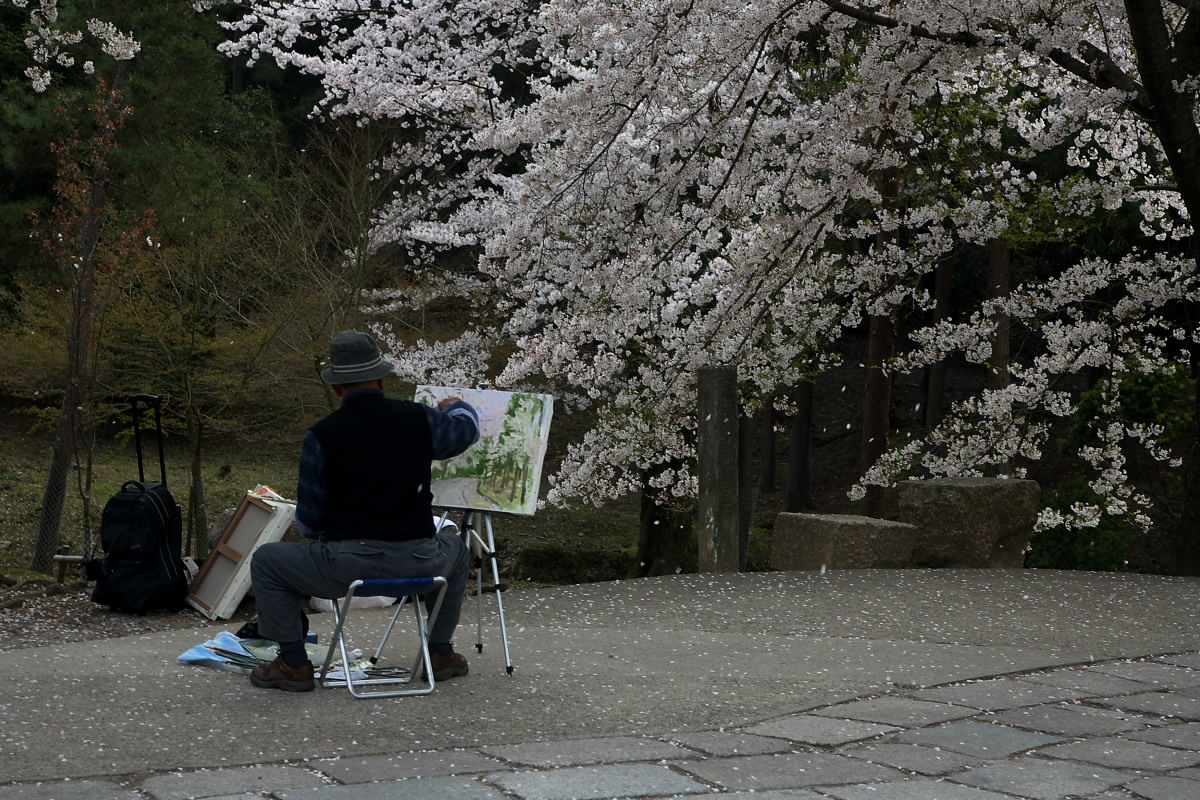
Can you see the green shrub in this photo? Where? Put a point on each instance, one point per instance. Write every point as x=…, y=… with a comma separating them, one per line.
x=1104, y=547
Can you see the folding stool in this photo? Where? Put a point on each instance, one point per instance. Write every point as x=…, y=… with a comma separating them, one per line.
x=408, y=591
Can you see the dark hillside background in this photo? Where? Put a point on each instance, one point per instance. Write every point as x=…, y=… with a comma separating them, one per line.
x=576, y=544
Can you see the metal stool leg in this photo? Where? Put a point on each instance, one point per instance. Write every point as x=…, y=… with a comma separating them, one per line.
x=409, y=591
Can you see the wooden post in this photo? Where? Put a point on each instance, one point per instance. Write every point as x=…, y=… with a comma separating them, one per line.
x=717, y=452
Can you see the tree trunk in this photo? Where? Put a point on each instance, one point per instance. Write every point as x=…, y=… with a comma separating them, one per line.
x=79, y=368
x=197, y=519
x=798, y=493
x=53, y=496
x=881, y=347
x=998, y=281
x=750, y=462
x=81, y=276
x=768, y=479
x=666, y=537
x=717, y=468
x=1187, y=544
x=935, y=374
x=1164, y=69
x=877, y=404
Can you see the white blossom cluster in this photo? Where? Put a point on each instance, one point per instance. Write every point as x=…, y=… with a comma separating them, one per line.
x=50, y=44
x=657, y=186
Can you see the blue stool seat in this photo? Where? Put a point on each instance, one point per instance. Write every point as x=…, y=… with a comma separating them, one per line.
x=382, y=681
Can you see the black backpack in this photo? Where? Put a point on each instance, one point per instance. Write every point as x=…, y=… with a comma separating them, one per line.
x=141, y=531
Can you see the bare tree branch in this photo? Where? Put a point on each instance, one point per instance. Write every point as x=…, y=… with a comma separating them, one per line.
x=921, y=32
x=1187, y=43
x=1093, y=65
x=1188, y=5
x=1096, y=67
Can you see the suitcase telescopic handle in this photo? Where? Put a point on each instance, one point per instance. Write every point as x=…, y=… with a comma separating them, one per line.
x=155, y=402
x=152, y=400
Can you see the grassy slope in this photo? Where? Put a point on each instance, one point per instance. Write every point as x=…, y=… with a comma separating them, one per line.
x=554, y=546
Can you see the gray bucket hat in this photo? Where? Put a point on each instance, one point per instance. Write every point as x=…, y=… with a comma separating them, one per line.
x=353, y=358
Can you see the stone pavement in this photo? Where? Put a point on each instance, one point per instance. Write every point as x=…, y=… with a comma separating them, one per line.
x=879, y=684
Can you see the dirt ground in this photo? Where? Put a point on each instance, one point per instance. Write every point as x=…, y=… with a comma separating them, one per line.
x=39, y=613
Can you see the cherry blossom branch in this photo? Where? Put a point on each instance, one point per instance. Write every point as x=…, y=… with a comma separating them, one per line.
x=1095, y=66
x=49, y=43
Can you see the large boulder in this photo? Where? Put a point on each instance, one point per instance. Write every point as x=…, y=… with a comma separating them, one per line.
x=839, y=541
x=970, y=522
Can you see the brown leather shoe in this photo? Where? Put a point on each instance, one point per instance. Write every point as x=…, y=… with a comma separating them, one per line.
x=448, y=665
x=278, y=675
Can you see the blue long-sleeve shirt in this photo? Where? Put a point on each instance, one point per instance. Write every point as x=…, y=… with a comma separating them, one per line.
x=452, y=431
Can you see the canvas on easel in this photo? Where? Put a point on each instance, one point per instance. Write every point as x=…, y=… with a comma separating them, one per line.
x=501, y=473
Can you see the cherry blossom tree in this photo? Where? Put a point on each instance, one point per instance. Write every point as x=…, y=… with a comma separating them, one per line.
x=80, y=236
x=53, y=42
x=654, y=186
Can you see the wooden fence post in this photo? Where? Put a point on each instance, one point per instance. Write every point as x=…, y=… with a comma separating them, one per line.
x=717, y=454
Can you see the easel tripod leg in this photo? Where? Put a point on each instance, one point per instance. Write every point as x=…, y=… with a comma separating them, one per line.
x=481, y=549
x=477, y=559
x=499, y=587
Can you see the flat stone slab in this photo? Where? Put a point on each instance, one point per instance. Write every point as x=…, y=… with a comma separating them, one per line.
x=778, y=794
x=911, y=790
x=789, y=770
x=1185, y=736
x=460, y=788
x=1075, y=720
x=1003, y=693
x=1153, y=672
x=1043, y=780
x=811, y=729
x=575, y=752
x=914, y=758
x=731, y=743
x=978, y=739
x=207, y=783
x=900, y=711
x=1088, y=680
x=1166, y=704
x=1165, y=788
x=1122, y=753
x=596, y=783
x=1182, y=660
x=68, y=790
x=409, y=765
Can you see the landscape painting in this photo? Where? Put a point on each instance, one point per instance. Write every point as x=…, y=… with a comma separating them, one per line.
x=503, y=471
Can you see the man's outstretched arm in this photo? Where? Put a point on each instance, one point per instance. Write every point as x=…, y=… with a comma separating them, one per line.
x=454, y=426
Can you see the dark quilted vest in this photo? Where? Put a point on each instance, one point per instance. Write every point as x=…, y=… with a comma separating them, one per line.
x=377, y=460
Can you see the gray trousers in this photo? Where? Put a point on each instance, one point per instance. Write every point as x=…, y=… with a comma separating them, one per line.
x=283, y=572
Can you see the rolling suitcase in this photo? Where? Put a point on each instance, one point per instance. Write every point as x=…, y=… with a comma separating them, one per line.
x=141, y=533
